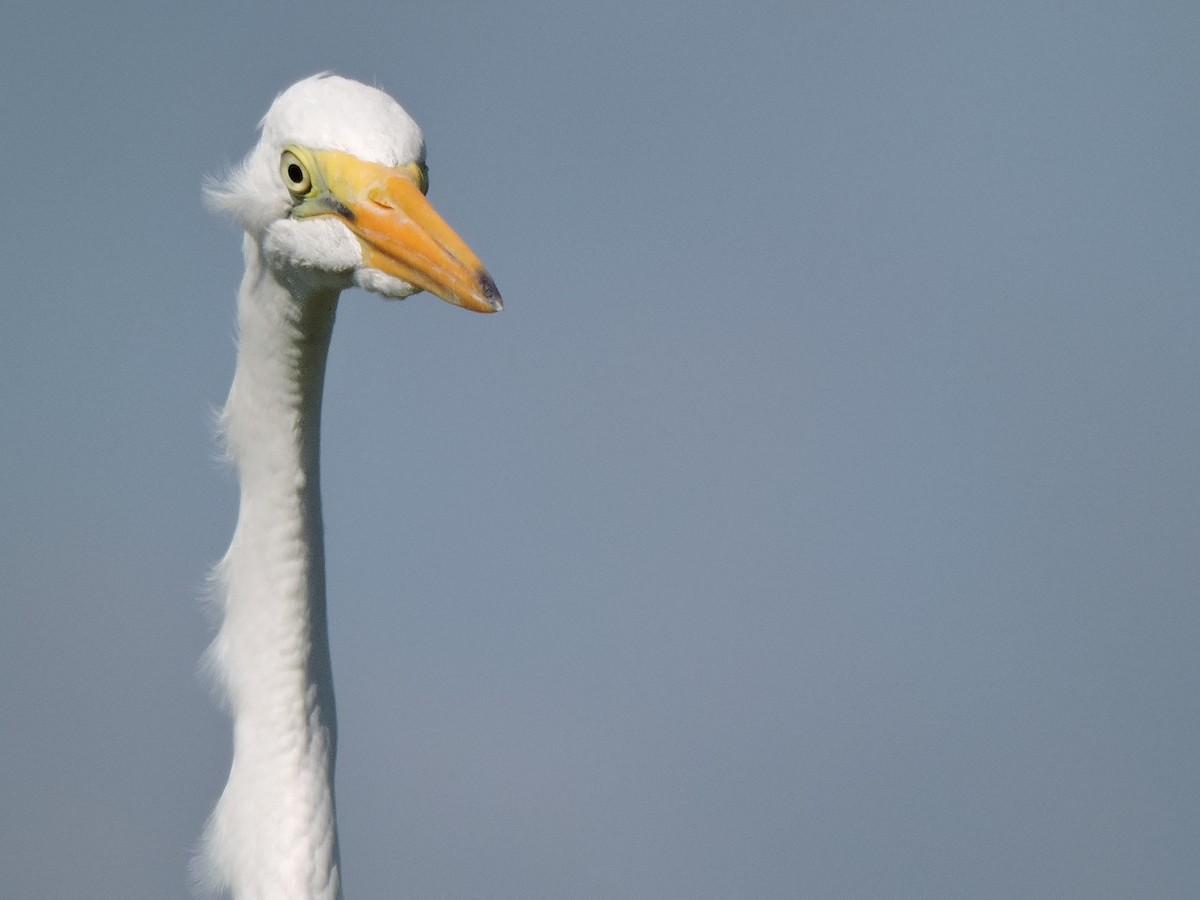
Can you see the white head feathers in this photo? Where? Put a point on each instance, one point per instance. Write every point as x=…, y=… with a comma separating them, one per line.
x=322, y=112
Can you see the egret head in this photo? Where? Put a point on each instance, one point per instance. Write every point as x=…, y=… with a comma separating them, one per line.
x=335, y=190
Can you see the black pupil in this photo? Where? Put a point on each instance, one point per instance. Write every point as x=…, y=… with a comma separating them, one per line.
x=295, y=173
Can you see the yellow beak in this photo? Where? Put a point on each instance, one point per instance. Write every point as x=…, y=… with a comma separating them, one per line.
x=401, y=233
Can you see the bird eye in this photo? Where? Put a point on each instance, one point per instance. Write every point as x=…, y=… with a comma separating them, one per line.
x=418, y=174
x=294, y=173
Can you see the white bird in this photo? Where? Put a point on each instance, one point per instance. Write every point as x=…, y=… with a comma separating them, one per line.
x=332, y=196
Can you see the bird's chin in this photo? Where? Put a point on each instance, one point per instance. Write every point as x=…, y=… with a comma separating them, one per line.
x=320, y=250
x=387, y=286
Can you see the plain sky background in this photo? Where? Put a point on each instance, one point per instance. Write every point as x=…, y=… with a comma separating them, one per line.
x=820, y=519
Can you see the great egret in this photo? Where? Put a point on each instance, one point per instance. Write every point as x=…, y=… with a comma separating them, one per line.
x=332, y=196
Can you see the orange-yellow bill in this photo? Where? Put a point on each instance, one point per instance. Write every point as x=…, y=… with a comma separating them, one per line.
x=401, y=233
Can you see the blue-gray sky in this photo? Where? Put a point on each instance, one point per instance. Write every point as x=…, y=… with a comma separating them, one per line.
x=820, y=519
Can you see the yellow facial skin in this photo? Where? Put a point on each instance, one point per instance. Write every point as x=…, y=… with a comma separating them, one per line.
x=400, y=232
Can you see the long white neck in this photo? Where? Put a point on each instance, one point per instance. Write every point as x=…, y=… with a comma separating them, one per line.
x=273, y=835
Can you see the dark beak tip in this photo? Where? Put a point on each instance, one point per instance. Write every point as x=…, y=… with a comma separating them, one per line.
x=490, y=292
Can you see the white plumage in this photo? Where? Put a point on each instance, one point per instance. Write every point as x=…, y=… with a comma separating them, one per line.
x=332, y=196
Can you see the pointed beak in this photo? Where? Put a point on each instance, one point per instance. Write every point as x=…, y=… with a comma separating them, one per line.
x=401, y=233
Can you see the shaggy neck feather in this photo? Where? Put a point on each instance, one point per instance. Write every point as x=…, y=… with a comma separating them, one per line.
x=273, y=834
